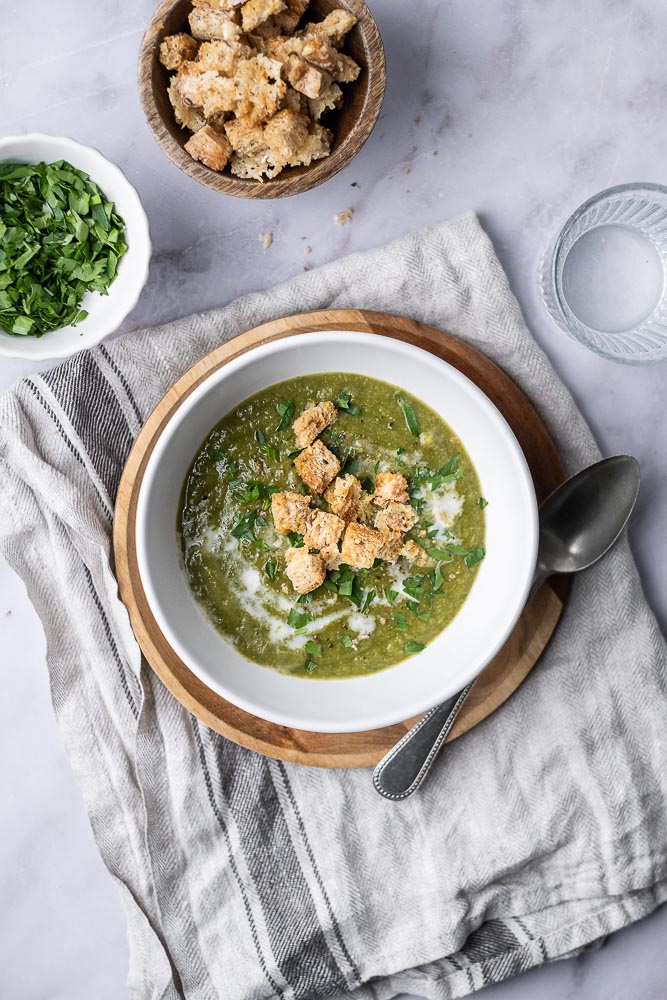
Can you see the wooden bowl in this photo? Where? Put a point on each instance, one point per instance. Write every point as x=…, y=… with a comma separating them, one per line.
x=351, y=124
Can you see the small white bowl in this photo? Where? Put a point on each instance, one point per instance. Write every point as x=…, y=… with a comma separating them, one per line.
x=451, y=660
x=105, y=312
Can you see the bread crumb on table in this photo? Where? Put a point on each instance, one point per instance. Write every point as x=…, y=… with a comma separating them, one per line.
x=342, y=218
x=267, y=239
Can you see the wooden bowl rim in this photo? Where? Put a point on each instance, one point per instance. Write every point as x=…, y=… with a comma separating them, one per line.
x=281, y=186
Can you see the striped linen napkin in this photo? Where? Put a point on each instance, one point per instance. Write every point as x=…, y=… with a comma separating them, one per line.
x=544, y=829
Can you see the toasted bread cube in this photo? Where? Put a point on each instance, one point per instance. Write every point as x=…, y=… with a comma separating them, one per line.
x=208, y=22
x=361, y=545
x=285, y=133
x=331, y=555
x=209, y=147
x=255, y=12
x=246, y=137
x=177, y=49
x=312, y=422
x=259, y=89
x=194, y=83
x=329, y=100
x=220, y=98
x=316, y=146
x=221, y=5
x=335, y=26
x=186, y=117
x=296, y=101
x=257, y=165
x=347, y=70
x=289, y=512
x=323, y=530
x=343, y=497
x=222, y=56
x=392, y=547
x=307, y=79
x=396, y=518
x=390, y=486
x=317, y=466
x=414, y=552
x=316, y=49
x=305, y=570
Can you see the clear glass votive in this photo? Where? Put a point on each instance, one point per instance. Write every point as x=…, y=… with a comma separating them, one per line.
x=604, y=277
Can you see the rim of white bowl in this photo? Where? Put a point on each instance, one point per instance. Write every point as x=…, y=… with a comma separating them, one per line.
x=8, y=348
x=372, y=720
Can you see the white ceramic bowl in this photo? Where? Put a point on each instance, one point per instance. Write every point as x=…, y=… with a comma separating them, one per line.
x=105, y=312
x=451, y=660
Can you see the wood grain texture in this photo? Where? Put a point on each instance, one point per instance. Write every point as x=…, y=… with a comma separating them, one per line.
x=500, y=678
x=351, y=124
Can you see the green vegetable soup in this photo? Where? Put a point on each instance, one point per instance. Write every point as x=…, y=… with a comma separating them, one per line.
x=358, y=620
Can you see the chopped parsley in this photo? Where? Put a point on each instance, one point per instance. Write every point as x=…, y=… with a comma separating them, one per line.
x=313, y=648
x=414, y=647
x=295, y=539
x=265, y=447
x=346, y=640
x=408, y=413
x=298, y=619
x=482, y=502
x=270, y=569
x=344, y=402
x=285, y=410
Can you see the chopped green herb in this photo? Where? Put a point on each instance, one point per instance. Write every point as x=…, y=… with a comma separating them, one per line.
x=450, y=466
x=295, y=539
x=346, y=640
x=436, y=578
x=270, y=569
x=390, y=595
x=344, y=402
x=310, y=666
x=439, y=555
x=60, y=239
x=400, y=451
x=368, y=600
x=294, y=454
x=412, y=586
x=245, y=525
x=351, y=465
x=304, y=599
x=298, y=619
x=265, y=447
x=345, y=582
x=313, y=648
x=248, y=493
x=474, y=557
x=414, y=647
x=400, y=621
x=408, y=413
x=330, y=585
x=457, y=550
x=368, y=485
x=285, y=411
x=260, y=544
x=482, y=503
x=216, y=455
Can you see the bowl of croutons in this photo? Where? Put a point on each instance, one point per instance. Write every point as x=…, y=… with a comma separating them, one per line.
x=262, y=98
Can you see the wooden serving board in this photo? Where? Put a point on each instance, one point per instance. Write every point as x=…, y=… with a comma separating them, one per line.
x=500, y=678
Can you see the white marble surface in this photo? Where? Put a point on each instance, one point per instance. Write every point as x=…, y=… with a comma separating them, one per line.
x=526, y=108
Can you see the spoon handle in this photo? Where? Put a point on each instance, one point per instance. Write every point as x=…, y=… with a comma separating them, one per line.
x=403, y=769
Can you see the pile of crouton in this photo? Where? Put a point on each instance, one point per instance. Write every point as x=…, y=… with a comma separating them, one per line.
x=252, y=87
x=350, y=511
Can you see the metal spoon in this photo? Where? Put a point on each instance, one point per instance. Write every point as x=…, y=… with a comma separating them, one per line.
x=579, y=523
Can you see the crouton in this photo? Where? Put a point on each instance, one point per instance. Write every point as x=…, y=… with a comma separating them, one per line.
x=312, y=421
x=323, y=530
x=190, y=118
x=222, y=56
x=208, y=22
x=289, y=512
x=193, y=83
x=263, y=163
x=246, y=137
x=395, y=518
x=295, y=101
x=255, y=12
x=316, y=50
x=335, y=26
x=305, y=570
x=414, y=552
x=390, y=486
x=259, y=89
x=209, y=147
x=220, y=98
x=316, y=146
x=317, y=466
x=346, y=70
x=392, y=547
x=177, y=49
x=284, y=134
x=221, y=5
x=329, y=100
x=343, y=497
x=307, y=79
x=361, y=545
x=331, y=555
